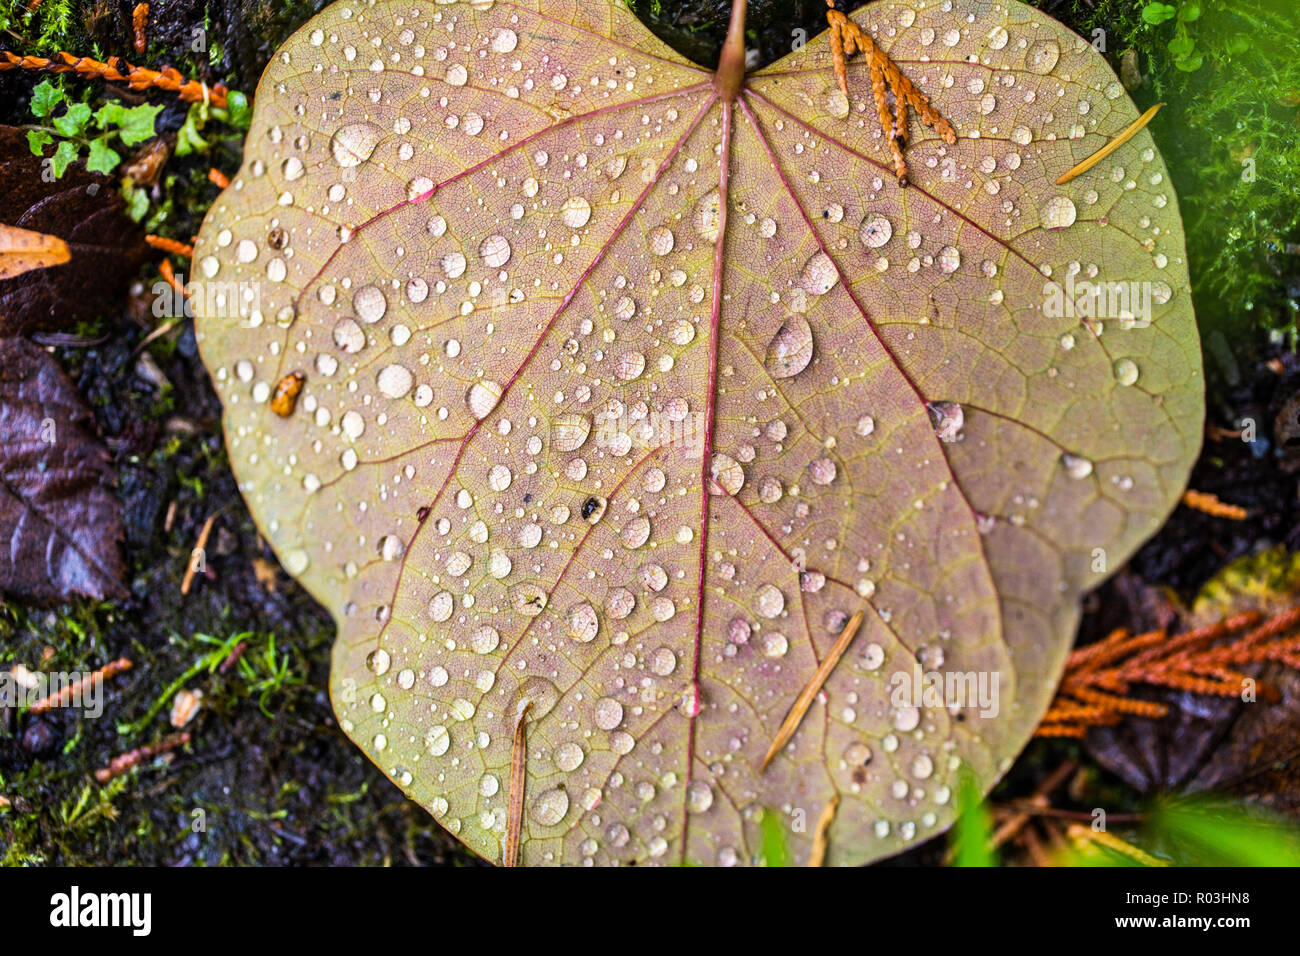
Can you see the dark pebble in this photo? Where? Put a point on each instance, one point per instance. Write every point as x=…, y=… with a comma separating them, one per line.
x=39, y=738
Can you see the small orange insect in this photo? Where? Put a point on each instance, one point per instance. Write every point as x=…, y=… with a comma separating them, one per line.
x=140, y=20
x=286, y=394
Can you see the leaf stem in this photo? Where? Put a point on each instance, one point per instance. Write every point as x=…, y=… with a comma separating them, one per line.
x=730, y=75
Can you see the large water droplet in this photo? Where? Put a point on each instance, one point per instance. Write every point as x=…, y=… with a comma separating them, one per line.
x=727, y=473
x=661, y=240
x=569, y=431
x=1076, y=466
x=699, y=796
x=484, y=640
x=949, y=259
x=353, y=144
x=1126, y=371
x=550, y=807
x=483, y=397
x=1059, y=213
x=395, y=381
x=791, y=349
x=569, y=756
x=1042, y=56
x=769, y=601
x=495, y=250
x=504, y=41
x=819, y=274
x=876, y=231
x=608, y=713
x=348, y=336
x=576, y=212
x=583, y=623
x=708, y=216
x=948, y=419
x=370, y=303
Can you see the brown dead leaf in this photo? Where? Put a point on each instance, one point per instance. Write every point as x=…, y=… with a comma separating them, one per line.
x=105, y=248
x=60, y=521
x=22, y=250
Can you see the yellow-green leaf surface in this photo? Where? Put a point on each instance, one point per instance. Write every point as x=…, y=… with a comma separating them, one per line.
x=621, y=399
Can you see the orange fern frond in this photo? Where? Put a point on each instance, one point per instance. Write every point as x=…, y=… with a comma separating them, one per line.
x=1096, y=689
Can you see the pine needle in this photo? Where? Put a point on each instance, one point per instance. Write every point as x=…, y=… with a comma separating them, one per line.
x=1210, y=504
x=515, y=817
x=821, y=836
x=1110, y=147
x=805, y=699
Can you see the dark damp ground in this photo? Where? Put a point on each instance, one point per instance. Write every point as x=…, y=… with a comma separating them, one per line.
x=268, y=774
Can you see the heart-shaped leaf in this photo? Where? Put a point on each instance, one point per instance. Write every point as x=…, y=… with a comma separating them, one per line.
x=596, y=405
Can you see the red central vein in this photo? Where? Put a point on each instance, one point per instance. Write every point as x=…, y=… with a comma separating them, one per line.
x=706, y=457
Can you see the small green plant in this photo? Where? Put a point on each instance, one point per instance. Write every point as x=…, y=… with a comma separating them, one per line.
x=1182, y=48
x=263, y=670
x=77, y=128
x=775, y=846
x=237, y=113
x=268, y=671
x=972, y=833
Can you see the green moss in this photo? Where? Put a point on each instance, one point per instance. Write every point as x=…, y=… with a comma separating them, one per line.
x=267, y=778
x=1230, y=134
x=58, y=24
x=1269, y=576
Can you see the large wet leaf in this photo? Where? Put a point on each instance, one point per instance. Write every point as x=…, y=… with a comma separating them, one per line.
x=617, y=401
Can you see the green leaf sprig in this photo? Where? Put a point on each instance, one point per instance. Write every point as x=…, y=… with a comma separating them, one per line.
x=78, y=129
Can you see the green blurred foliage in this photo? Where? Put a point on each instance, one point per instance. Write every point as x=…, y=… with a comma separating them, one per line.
x=1203, y=832
x=971, y=837
x=78, y=128
x=775, y=847
x=1230, y=133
